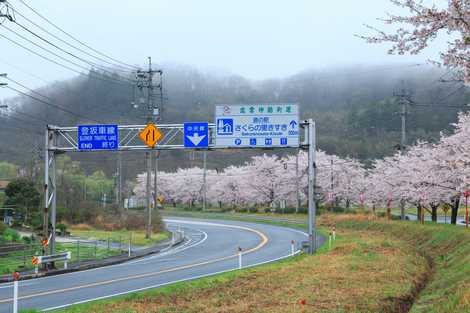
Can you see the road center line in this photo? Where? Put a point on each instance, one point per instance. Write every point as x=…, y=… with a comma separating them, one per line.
x=264, y=241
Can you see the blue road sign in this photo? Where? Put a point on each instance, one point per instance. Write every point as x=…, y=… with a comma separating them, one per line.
x=98, y=137
x=225, y=126
x=196, y=135
x=257, y=125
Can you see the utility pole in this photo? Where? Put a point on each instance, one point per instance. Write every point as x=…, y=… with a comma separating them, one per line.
x=5, y=11
x=332, y=186
x=145, y=80
x=404, y=100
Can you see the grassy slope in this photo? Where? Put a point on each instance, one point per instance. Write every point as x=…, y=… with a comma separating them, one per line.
x=138, y=237
x=374, y=266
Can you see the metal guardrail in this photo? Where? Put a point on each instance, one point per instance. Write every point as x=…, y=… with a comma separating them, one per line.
x=21, y=257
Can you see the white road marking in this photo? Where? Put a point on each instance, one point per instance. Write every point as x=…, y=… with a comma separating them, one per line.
x=167, y=283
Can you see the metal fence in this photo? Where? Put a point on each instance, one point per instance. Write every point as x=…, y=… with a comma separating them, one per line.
x=18, y=257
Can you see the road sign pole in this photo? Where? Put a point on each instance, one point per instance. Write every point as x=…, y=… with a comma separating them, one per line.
x=53, y=205
x=204, y=183
x=155, y=179
x=311, y=185
x=148, y=159
x=297, y=182
x=50, y=190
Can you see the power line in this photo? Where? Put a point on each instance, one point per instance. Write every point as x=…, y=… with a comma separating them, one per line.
x=74, y=38
x=28, y=115
x=120, y=68
x=23, y=71
x=54, y=105
x=110, y=79
x=61, y=49
x=27, y=88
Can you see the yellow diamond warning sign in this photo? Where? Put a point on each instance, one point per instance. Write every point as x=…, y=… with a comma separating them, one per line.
x=150, y=135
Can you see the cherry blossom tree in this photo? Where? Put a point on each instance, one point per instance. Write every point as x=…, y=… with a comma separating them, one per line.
x=426, y=22
x=425, y=176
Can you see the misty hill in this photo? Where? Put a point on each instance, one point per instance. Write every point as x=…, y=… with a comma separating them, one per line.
x=354, y=108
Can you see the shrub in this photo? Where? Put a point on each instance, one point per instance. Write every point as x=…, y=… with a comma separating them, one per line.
x=62, y=227
x=3, y=227
x=11, y=235
x=27, y=240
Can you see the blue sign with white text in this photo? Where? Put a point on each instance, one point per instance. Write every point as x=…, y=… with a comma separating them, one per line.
x=196, y=135
x=98, y=137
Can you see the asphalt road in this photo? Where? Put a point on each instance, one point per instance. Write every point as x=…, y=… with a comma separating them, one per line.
x=212, y=247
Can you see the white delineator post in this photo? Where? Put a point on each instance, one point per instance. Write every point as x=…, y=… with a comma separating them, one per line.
x=130, y=242
x=16, y=276
x=240, y=258
x=329, y=241
x=292, y=247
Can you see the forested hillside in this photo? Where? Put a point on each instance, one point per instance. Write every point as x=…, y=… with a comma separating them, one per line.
x=354, y=108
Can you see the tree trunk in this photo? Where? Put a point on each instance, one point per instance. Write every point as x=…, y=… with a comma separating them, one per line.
x=434, y=212
x=455, y=210
x=419, y=211
x=402, y=209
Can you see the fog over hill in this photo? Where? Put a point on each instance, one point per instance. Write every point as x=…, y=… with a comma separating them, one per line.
x=354, y=108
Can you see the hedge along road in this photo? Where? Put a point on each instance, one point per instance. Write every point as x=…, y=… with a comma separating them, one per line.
x=211, y=248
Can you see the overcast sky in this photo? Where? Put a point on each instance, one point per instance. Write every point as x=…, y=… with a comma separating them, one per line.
x=257, y=39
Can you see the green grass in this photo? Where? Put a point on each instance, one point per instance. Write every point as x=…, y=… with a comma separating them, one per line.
x=252, y=285
x=374, y=266
x=138, y=237
x=20, y=261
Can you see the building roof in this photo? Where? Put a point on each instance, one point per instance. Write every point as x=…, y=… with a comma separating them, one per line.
x=4, y=184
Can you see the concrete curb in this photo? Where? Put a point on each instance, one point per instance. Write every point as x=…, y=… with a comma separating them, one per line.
x=86, y=265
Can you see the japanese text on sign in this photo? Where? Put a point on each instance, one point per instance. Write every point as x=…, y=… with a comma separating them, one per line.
x=98, y=137
x=262, y=125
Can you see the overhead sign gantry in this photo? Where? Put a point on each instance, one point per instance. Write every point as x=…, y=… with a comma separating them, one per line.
x=265, y=126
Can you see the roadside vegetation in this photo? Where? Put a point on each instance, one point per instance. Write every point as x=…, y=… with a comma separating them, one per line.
x=374, y=266
x=138, y=236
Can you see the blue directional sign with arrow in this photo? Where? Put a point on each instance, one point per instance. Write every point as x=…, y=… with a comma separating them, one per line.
x=196, y=135
x=265, y=125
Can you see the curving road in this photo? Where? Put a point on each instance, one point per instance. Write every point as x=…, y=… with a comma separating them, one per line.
x=211, y=247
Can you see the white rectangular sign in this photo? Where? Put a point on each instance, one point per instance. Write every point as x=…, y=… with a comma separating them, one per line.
x=257, y=125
